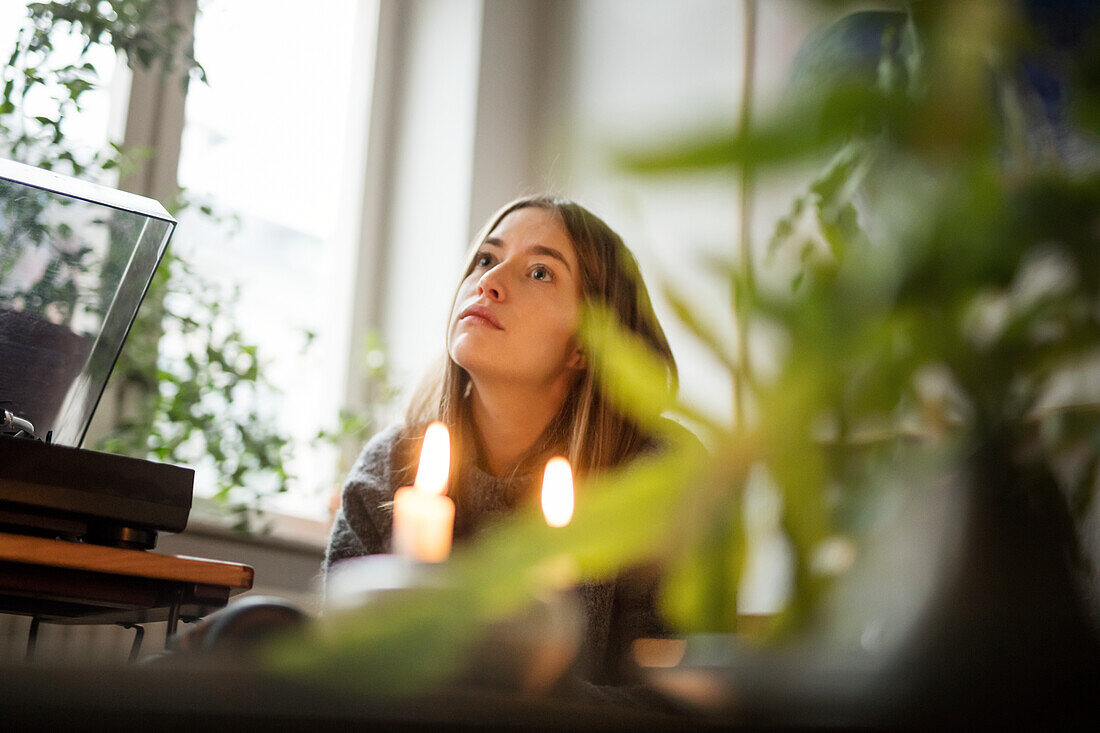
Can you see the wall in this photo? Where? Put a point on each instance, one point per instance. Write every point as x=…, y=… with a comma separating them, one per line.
x=418, y=169
x=641, y=76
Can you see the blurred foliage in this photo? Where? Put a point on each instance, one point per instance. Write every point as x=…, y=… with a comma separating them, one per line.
x=40, y=77
x=205, y=401
x=355, y=427
x=28, y=226
x=931, y=291
x=204, y=405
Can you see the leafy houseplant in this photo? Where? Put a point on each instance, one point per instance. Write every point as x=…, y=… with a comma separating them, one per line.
x=200, y=405
x=934, y=297
x=938, y=329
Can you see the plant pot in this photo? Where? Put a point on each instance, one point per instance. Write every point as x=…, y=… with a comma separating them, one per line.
x=1009, y=635
x=41, y=360
x=971, y=606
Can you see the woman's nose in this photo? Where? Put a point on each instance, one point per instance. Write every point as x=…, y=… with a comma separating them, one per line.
x=491, y=284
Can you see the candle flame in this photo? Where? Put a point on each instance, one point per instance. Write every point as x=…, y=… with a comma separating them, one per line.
x=557, y=492
x=435, y=459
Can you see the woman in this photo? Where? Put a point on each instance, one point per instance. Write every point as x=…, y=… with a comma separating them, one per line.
x=514, y=390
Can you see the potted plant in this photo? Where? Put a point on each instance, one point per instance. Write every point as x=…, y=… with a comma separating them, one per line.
x=932, y=306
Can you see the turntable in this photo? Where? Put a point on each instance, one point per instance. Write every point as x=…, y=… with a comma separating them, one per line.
x=75, y=262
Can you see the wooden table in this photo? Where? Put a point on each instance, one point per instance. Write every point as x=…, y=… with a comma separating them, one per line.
x=73, y=583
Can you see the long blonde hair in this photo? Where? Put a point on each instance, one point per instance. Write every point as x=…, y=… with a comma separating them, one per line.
x=590, y=432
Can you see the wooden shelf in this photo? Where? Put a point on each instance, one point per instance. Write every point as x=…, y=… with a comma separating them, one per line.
x=71, y=582
x=118, y=561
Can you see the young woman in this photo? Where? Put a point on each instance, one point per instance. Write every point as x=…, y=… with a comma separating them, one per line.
x=514, y=390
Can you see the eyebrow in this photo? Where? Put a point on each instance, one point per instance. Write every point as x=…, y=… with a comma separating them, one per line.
x=539, y=249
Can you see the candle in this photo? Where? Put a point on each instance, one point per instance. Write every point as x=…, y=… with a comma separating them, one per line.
x=559, y=572
x=557, y=492
x=423, y=518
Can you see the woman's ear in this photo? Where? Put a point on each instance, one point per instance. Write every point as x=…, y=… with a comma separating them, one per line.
x=577, y=360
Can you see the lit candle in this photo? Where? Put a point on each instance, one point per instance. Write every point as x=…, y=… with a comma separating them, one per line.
x=423, y=518
x=557, y=492
x=559, y=572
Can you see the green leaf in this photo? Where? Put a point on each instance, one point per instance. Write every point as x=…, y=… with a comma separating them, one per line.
x=700, y=594
x=804, y=130
x=622, y=519
x=633, y=378
x=692, y=318
x=408, y=635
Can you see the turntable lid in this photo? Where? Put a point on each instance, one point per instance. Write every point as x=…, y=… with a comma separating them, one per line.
x=76, y=260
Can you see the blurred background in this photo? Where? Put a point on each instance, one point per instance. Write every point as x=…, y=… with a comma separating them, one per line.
x=351, y=149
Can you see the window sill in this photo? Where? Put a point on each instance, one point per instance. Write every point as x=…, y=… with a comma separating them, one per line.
x=288, y=532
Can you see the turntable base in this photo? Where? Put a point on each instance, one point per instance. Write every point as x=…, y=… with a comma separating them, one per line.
x=100, y=498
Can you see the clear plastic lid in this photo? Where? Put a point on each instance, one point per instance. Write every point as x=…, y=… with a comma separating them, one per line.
x=75, y=262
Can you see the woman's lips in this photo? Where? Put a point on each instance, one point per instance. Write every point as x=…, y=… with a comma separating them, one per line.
x=480, y=313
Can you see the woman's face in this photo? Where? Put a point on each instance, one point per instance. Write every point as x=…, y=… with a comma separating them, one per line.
x=515, y=317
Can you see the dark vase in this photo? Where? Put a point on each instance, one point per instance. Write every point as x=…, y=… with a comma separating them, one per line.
x=1011, y=634
x=972, y=606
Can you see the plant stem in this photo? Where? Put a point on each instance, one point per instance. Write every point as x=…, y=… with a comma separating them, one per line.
x=743, y=290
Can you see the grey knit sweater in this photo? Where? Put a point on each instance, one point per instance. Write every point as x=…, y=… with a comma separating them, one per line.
x=617, y=612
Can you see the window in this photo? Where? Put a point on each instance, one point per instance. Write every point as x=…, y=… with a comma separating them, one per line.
x=102, y=117
x=265, y=144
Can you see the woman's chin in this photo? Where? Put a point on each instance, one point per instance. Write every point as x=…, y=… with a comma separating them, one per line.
x=476, y=362
x=476, y=347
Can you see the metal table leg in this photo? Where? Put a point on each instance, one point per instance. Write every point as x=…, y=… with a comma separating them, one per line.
x=32, y=639
x=139, y=635
x=173, y=619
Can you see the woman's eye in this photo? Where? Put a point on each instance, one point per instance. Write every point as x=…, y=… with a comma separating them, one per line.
x=483, y=260
x=541, y=273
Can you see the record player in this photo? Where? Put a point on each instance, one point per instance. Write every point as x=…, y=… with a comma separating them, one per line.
x=75, y=262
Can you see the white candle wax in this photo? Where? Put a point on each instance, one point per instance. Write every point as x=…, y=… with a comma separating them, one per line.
x=423, y=518
x=423, y=524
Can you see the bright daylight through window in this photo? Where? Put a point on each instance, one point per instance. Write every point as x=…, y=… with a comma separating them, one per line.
x=264, y=147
